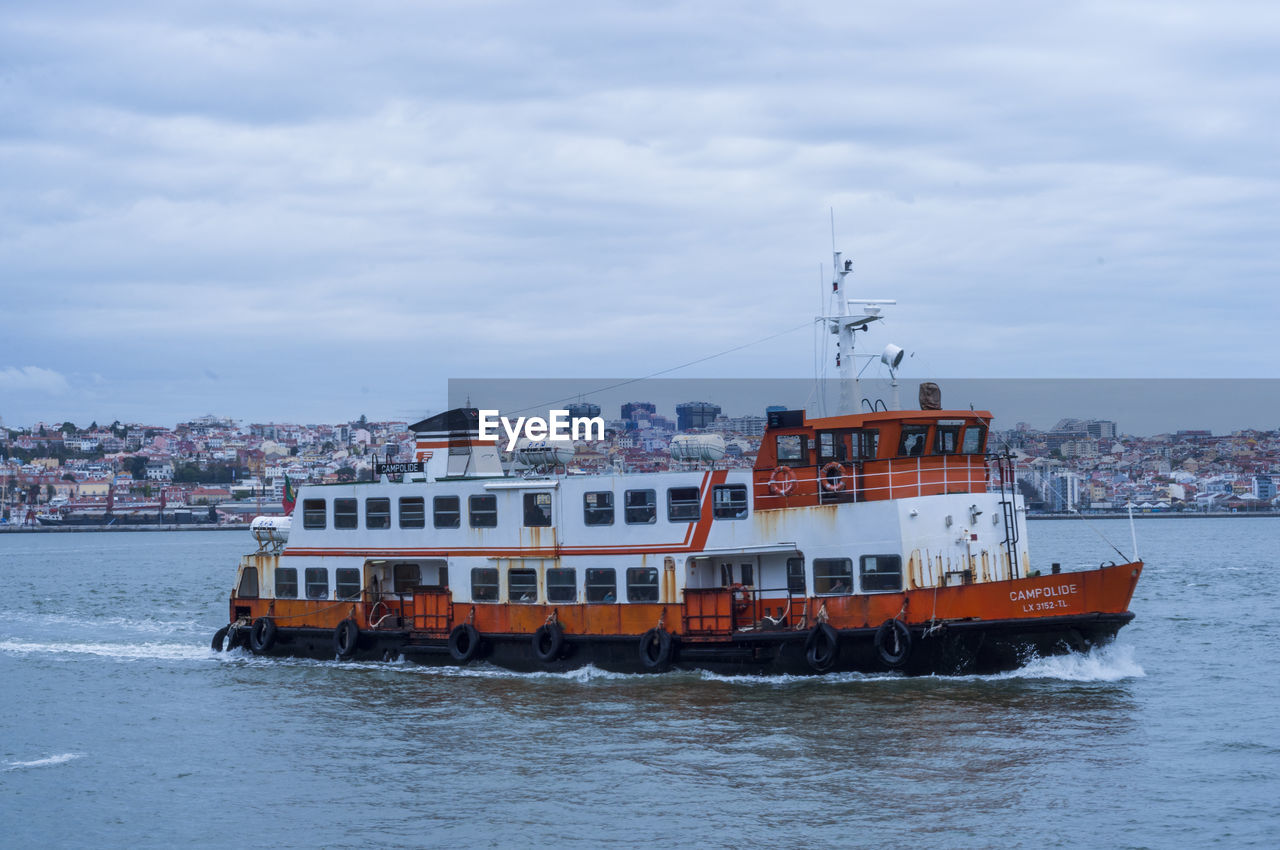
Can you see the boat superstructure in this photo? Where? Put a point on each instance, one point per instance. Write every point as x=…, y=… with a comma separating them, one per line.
x=872, y=541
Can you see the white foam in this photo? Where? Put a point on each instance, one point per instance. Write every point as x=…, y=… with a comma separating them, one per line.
x=121, y=623
x=1101, y=664
x=60, y=758
x=131, y=651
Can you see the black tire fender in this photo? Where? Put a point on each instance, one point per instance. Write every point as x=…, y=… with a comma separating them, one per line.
x=262, y=636
x=547, y=642
x=464, y=643
x=655, y=649
x=821, y=647
x=346, y=636
x=218, y=638
x=893, y=643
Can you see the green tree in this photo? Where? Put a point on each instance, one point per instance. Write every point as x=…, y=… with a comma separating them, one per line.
x=68, y=428
x=49, y=492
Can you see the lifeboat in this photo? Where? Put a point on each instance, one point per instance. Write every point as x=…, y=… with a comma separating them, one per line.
x=870, y=541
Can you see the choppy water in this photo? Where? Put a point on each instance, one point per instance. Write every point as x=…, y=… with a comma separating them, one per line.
x=120, y=728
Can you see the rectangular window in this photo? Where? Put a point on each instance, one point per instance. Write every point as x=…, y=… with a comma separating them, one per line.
x=683, y=504
x=866, y=443
x=791, y=450
x=377, y=513
x=640, y=507
x=602, y=585
x=562, y=585
x=973, y=439
x=406, y=577
x=522, y=586
x=880, y=573
x=447, y=511
x=913, y=440
x=597, y=508
x=946, y=439
x=482, y=511
x=537, y=510
x=317, y=582
x=642, y=584
x=248, y=588
x=313, y=511
x=729, y=501
x=831, y=446
x=286, y=582
x=413, y=512
x=832, y=575
x=348, y=583
x=795, y=577
x=484, y=584
x=344, y=513
x=747, y=573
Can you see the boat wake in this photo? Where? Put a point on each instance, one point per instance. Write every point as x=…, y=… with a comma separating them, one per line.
x=123, y=651
x=60, y=758
x=1111, y=663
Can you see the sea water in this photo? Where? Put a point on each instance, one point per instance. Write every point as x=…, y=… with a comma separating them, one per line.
x=120, y=728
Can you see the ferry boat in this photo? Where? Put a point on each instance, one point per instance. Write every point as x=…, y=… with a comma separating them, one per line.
x=872, y=541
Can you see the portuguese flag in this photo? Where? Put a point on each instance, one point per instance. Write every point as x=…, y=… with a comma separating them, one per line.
x=290, y=495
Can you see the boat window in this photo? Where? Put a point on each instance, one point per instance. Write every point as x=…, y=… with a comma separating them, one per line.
x=313, y=511
x=317, y=582
x=642, y=584
x=832, y=575
x=447, y=511
x=597, y=508
x=483, y=511
x=747, y=573
x=348, y=583
x=286, y=582
x=406, y=577
x=791, y=450
x=946, y=440
x=413, y=512
x=974, y=437
x=537, y=510
x=344, y=513
x=522, y=586
x=683, y=504
x=913, y=440
x=602, y=585
x=377, y=513
x=729, y=501
x=795, y=576
x=880, y=572
x=867, y=443
x=831, y=446
x=562, y=585
x=640, y=507
x=248, y=588
x=484, y=584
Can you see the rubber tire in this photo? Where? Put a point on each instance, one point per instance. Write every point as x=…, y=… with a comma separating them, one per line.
x=821, y=647
x=346, y=638
x=263, y=635
x=218, y=638
x=236, y=638
x=661, y=640
x=547, y=642
x=464, y=643
x=883, y=637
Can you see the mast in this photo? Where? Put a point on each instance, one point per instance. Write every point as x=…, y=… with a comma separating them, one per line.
x=851, y=315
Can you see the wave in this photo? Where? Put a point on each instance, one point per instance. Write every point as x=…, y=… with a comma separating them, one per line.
x=127, y=651
x=133, y=624
x=1101, y=664
x=60, y=758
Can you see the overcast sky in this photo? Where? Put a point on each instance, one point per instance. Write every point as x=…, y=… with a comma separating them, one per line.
x=304, y=211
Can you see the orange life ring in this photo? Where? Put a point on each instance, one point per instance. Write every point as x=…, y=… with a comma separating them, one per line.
x=832, y=477
x=741, y=597
x=782, y=481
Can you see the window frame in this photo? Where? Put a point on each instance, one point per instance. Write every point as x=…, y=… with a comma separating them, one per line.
x=651, y=506
x=437, y=513
x=589, y=586
x=401, y=513
x=784, y=459
x=941, y=431
x=290, y=574
x=533, y=509
x=911, y=431
x=523, y=573
x=339, y=584
x=370, y=512
x=485, y=572
x=556, y=590
x=310, y=580
x=795, y=569
x=684, y=510
x=399, y=584
x=309, y=514
x=631, y=584
x=863, y=574
x=974, y=428
x=474, y=514
x=244, y=580
x=824, y=565
x=866, y=442
x=718, y=510
x=597, y=510
x=345, y=520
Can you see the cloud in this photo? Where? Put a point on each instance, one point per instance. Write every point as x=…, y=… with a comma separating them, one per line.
x=32, y=379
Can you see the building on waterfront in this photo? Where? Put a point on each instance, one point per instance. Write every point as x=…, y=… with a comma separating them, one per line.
x=696, y=414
